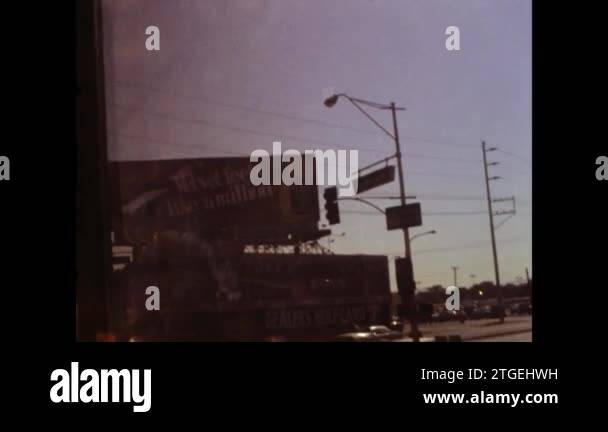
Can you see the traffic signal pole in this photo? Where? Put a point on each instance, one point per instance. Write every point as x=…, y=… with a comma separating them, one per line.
x=410, y=290
x=415, y=332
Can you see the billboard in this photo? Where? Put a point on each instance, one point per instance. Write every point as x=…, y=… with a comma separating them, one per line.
x=211, y=196
x=260, y=295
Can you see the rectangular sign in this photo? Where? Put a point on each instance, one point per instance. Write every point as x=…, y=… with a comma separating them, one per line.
x=376, y=178
x=212, y=195
x=254, y=295
x=404, y=216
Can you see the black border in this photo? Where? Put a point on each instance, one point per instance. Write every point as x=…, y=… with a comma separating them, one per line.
x=568, y=225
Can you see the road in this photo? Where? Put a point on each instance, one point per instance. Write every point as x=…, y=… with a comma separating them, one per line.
x=517, y=337
x=514, y=329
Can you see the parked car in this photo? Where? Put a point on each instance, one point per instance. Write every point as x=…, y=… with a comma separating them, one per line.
x=370, y=334
x=485, y=311
x=354, y=337
x=383, y=332
x=425, y=312
x=522, y=309
x=497, y=311
x=447, y=315
x=478, y=312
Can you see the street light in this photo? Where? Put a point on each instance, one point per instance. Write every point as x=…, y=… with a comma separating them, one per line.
x=357, y=103
x=331, y=101
x=422, y=234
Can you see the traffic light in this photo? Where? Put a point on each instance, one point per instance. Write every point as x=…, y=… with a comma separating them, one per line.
x=332, y=212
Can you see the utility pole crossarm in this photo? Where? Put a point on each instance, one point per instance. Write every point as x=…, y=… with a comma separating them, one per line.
x=504, y=199
x=504, y=212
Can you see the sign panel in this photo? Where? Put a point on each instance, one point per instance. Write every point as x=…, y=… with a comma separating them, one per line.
x=258, y=295
x=375, y=179
x=406, y=216
x=212, y=196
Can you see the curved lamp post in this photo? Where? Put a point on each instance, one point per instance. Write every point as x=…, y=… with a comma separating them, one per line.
x=357, y=103
x=422, y=234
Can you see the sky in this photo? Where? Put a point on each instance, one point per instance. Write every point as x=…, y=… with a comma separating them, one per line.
x=233, y=76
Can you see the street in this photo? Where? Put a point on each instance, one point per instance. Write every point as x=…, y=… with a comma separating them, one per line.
x=517, y=337
x=514, y=329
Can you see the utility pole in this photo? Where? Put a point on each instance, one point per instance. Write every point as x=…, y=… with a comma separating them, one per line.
x=492, y=233
x=528, y=281
x=415, y=333
x=455, y=270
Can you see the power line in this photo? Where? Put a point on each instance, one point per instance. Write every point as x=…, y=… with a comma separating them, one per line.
x=476, y=245
x=274, y=136
x=513, y=169
x=449, y=197
x=293, y=138
x=431, y=213
x=515, y=156
x=177, y=144
x=460, y=176
x=437, y=143
x=431, y=197
x=442, y=158
x=244, y=108
x=424, y=197
x=282, y=115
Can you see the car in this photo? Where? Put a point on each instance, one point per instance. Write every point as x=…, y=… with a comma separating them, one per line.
x=485, y=312
x=477, y=312
x=353, y=337
x=497, y=311
x=383, y=332
x=447, y=315
x=522, y=309
x=371, y=333
x=442, y=315
x=460, y=315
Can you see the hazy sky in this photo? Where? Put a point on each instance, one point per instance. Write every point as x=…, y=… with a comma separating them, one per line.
x=235, y=75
